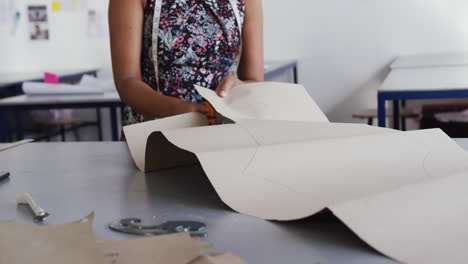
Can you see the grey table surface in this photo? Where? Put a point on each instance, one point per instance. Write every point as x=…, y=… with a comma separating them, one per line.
x=70, y=180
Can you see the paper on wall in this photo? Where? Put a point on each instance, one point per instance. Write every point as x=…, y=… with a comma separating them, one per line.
x=373, y=179
x=98, y=26
x=38, y=22
x=66, y=5
x=56, y=6
x=39, y=88
x=4, y=12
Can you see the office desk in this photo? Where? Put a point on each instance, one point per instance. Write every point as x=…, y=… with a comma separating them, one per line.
x=15, y=80
x=411, y=83
x=11, y=84
x=110, y=100
x=20, y=103
x=70, y=180
x=275, y=68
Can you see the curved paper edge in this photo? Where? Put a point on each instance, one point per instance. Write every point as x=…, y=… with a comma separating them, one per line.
x=163, y=154
x=266, y=101
x=137, y=135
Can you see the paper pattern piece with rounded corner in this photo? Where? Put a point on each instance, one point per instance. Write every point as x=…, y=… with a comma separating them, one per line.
x=266, y=101
x=139, y=136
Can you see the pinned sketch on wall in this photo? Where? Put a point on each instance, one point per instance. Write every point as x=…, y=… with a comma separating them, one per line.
x=7, y=10
x=16, y=22
x=3, y=12
x=56, y=6
x=38, y=22
x=97, y=23
x=66, y=5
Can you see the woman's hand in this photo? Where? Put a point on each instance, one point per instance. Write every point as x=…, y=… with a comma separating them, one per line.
x=181, y=107
x=227, y=84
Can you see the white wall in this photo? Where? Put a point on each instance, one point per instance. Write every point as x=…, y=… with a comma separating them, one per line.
x=345, y=46
x=69, y=47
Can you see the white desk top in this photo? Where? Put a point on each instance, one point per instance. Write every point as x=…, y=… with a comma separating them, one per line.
x=431, y=60
x=21, y=100
x=426, y=79
x=7, y=78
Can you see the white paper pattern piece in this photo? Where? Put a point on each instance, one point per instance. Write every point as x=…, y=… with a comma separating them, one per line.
x=261, y=101
x=402, y=192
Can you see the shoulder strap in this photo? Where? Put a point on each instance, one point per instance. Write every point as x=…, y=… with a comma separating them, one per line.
x=155, y=36
x=235, y=66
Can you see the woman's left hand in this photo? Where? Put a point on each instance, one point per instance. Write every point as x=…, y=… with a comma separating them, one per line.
x=227, y=84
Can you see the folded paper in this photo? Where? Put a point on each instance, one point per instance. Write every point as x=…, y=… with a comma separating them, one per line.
x=283, y=160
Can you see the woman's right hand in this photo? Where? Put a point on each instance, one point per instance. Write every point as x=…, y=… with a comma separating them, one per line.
x=182, y=107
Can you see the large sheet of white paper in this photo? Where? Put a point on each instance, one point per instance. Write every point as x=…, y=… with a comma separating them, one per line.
x=270, y=101
x=402, y=192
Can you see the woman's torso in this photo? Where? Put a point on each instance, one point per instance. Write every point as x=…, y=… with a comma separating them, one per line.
x=198, y=43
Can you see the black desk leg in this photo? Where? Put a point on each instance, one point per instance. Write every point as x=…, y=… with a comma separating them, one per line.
x=19, y=124
x=296, y=80
x=403, y=119
x=5, y=131
x=99, y=123
x=396, y=114
x=115, y=132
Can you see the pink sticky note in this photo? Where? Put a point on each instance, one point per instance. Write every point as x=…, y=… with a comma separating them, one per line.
x=51, y=78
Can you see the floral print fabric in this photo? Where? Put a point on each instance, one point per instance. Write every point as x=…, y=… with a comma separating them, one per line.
x=198, y=43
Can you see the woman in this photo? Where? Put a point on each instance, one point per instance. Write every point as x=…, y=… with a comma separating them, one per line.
x=162, y=48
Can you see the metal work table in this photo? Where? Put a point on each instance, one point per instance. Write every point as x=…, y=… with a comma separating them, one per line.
x=15, y=80
x=20, y=103
x=70, y=180
x=11, y=85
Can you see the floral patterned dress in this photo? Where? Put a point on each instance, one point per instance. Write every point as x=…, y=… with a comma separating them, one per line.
x=198, y=43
